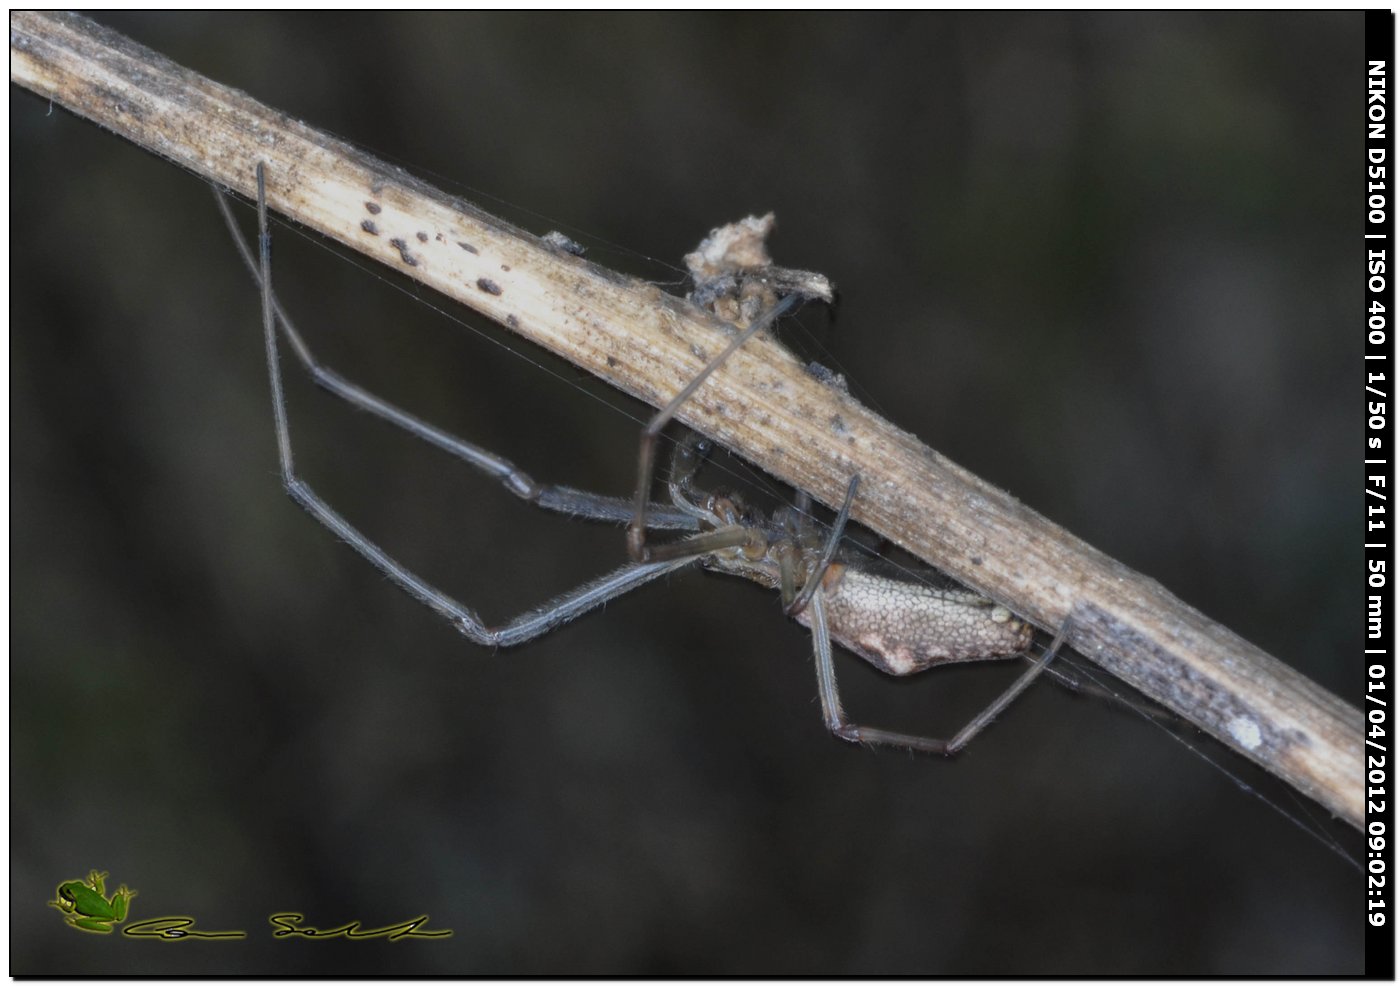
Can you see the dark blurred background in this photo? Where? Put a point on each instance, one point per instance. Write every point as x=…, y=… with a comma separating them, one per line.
x=1109, y=262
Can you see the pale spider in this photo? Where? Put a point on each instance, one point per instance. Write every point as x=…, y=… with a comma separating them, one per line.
x=898, y=626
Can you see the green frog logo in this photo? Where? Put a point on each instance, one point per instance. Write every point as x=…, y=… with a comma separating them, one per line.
x=88, y=908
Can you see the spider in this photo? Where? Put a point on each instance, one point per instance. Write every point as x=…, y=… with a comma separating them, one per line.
x=898, y=626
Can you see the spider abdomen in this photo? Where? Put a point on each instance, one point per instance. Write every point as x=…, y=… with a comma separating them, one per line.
x=903, y=627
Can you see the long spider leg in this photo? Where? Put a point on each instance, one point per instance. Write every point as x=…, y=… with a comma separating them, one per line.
x=560, y=499
x=833, y=540
x=646, y=457
x=1072, y=682
x=530, y=624
x=843, y=728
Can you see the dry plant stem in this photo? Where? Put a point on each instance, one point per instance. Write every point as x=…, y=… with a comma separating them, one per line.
x=761, y=403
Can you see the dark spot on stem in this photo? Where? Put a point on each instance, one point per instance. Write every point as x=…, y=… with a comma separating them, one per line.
x=369, y=227
x=373, y=208
x=505, y=267
x=422, y=237
x=487, y=285
x=466, y=246
x=513, y=322
x=827, y=376
x=402, y=247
